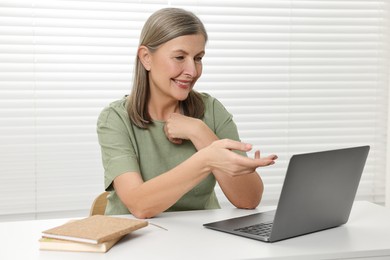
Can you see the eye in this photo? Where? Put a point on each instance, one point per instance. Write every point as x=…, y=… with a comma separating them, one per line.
x=179, y=58
x=198, y=59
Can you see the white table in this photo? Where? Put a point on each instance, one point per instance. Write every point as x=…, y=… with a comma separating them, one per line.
x=366, y=235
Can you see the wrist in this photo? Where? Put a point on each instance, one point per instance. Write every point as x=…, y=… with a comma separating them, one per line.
x=201, y=135
x=203, y=160
x=195, y=128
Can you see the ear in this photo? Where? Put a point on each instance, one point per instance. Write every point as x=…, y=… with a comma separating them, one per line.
x=145, y=57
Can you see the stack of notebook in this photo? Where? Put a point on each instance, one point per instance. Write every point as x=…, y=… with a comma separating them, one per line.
x=92, y=234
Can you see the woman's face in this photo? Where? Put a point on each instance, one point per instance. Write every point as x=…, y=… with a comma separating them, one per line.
x=175, y=67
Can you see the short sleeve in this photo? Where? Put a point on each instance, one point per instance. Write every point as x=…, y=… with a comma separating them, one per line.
x=220, y=120
x=225, y=127
x=118, y=153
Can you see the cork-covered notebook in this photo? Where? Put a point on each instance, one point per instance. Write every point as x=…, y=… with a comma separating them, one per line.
x=53, y=244
x=95, y=229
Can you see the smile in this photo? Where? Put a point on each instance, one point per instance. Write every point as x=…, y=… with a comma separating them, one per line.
x=183, y=84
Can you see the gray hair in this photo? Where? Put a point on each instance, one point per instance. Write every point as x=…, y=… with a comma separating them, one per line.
x=161, y=27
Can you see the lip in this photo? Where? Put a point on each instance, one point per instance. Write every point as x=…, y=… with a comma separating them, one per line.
x=183, y=84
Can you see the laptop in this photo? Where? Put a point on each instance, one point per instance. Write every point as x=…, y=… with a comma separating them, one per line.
x=317, y=194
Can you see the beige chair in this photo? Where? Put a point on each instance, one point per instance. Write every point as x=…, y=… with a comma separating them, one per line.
x=99, y=204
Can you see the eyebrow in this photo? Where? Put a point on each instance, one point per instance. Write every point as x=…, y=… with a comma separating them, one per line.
x=183, y=51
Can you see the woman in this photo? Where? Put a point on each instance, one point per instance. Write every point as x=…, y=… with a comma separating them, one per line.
x=161, y=145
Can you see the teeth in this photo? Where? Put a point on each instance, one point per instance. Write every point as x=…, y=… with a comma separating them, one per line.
x=182, y=83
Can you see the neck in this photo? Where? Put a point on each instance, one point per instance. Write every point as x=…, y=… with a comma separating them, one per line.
x=161, y=112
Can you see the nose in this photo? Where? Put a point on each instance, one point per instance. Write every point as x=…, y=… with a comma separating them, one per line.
x=191, y=69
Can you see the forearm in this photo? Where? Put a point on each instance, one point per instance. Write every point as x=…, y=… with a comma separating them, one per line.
x=154, y=196
x=202, y=136
x=243, y=191
x=147, y=199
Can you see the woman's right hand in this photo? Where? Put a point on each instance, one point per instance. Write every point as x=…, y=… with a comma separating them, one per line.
x=220, y=156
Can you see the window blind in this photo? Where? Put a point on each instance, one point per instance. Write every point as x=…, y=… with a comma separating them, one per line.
x=298, y=76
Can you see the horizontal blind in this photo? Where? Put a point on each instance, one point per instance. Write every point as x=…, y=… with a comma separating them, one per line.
x=298, y=76
x=303, y=76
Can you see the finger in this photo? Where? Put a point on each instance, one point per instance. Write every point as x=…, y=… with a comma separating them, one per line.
x=234, y=145
x=272, y=156
x=167, y=132
x=265, y=162
x=269, y=160
x=171, y=139
x=254, y=163
x=176, y=140
x=257, y=154
x=165, y=129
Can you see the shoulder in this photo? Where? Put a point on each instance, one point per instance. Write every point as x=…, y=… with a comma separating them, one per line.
x=116, y=109
x=209, y=100
x=212, y=104
x=206, y=97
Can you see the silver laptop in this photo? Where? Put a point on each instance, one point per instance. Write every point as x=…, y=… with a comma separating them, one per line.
x=317, y=194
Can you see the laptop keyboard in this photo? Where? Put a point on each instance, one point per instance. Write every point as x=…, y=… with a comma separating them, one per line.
x=262, y=229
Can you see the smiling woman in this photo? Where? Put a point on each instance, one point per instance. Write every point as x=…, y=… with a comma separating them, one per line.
x=181, y=59
x=298, y=76
x=159, y=29
x=174, y=159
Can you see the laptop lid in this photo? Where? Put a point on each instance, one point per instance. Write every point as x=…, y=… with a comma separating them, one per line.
x=317, y=194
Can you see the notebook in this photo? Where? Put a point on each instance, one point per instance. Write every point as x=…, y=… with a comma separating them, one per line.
x=317, y=194
x=95, y=229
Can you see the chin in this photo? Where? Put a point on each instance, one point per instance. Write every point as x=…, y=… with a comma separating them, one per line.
x=182, y=97
x=182, y=94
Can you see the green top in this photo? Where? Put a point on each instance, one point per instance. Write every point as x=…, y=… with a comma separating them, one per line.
x=128, y=148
